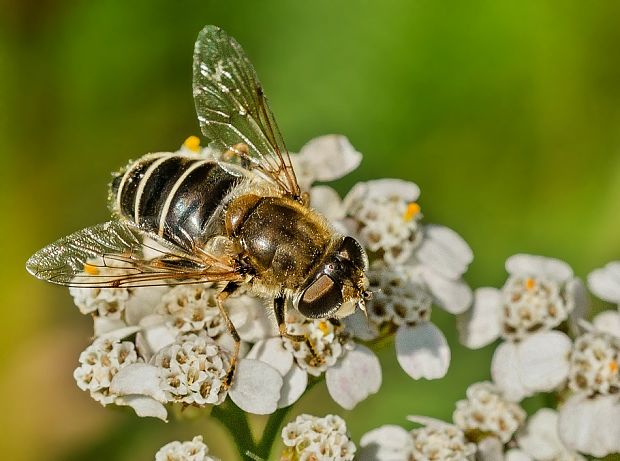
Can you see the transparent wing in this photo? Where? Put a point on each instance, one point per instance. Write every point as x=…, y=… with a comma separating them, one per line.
x=115, y=254
x=233, y=111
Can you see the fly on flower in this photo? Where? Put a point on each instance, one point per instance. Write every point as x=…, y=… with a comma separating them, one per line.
x=238, y=217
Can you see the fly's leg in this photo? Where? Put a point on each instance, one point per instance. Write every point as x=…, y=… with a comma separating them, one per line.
x=229, y=289
x=279, y=308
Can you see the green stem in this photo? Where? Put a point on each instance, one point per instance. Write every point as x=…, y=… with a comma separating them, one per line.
x=272, y=429
x=236, y=422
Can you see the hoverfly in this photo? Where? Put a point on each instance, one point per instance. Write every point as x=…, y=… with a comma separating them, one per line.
x=240, y=219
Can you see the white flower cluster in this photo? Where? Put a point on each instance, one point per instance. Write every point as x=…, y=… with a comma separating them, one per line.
x=310, y=438
x=385, y=217
x=192, y=308
x=541, y=300
x=594, y=364
x=486, y=427
x=328, y=342
x=435, y=440
x=193, y=450
x=99, y=363
x=441, y=441
x=193, y=370
x=486, y=411
x=539, y=295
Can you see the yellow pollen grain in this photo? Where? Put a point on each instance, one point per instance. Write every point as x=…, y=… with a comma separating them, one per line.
x=324, y=327
x=530, y=283
x=412, y=210
x=613, y=367
x=90, y=269
x=192, y=143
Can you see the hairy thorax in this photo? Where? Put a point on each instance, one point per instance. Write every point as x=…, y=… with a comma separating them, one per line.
x=280, y=239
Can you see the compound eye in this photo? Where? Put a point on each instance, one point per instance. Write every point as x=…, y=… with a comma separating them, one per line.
x=321, y=299
x=351, y=249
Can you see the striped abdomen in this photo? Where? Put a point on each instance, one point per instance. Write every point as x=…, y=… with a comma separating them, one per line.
x=175, y=196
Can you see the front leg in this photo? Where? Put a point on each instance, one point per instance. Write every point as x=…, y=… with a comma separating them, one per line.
x=279, y=308
x=228, y=290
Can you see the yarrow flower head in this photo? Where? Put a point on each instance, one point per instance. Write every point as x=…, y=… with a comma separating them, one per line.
x=400, y=305
x=99, y=363
x=310, y=438
x=193, y=370
x=352, y=371
x=193, y=450
x=538, y=296
x=486, y=412
x=435, y=440
x=589, y=420
x=594, y=364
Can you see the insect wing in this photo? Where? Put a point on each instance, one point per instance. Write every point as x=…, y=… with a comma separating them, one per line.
x=115, y=254
x=233, y=111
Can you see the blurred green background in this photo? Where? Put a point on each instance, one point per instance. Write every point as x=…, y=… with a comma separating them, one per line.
x=507, y=114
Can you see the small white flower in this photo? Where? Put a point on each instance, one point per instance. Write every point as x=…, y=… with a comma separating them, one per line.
x=310, y=438
x=401, y=305
x=540, y=438
x=324, y=158
x=352, y=371
x=194, y=370
x=486, y=411
x=540, y=293
x=99, y=363
x=436, y=440
x=605, y=282
x=594, y=364
x=192, y=308
x=194, y=450
x=384, y=216
x=591, y=425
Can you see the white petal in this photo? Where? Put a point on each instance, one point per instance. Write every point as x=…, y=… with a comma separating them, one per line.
x=155, y=334
x=517, y=455
x=256, y=387
x=490, y=449
x=609, y=322
x=543, y=360
x=143, y=302
x=444, y=251
x=356, y=376
x=103, y=325
x=140, y=379
x=605, y=282
x=358, y=324
x=539, y=363
x=505, y=372
x=524, y=264
x=422, y=351
x=144, y=406
x=386, y=443
x=258, y=324
x=326, y=200
x=540, y=438
x=428, y=421
x=454, y=296
x=272, y=352
x=388, y=187
x=295, y=383
x=577, y=290
x=591, y=426
x=330, y=157
x=481, y=324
